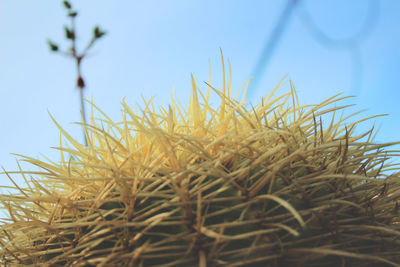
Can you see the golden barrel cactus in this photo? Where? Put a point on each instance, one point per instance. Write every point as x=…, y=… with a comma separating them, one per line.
x=276, y=184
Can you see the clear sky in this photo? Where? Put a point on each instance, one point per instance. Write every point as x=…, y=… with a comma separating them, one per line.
x=153, y=46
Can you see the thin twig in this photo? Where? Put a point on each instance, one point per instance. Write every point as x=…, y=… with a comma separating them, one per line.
x=70, y=34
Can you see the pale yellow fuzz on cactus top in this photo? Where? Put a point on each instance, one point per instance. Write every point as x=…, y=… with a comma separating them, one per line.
x=244, y=151
x=150, y=142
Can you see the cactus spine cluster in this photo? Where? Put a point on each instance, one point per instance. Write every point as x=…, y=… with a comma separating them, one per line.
x=276, y=184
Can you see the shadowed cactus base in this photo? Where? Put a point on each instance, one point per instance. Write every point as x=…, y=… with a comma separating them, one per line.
x=277, y=184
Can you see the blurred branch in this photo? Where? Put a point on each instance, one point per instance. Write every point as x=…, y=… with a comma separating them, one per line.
x=270, y=45
x=355, y=39
x=351, y=44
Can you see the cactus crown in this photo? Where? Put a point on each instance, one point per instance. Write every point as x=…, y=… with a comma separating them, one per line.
x=231, y=186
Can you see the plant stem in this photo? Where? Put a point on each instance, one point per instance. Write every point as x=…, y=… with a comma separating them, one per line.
x=83, y=115
x=79, y=82
x=81, y=86
x=71, y=35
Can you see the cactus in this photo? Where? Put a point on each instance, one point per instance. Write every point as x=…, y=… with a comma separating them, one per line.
x=240, y=185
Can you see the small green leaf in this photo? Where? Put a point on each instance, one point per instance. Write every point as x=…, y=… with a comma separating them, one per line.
x=67, y=5
x=53, y=46
x=72, y=14
x=98, y=33
x=69, y=34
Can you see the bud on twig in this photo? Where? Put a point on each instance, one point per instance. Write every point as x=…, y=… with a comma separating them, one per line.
x=80, y=83
x=72, y=14
x=53, y=46
x=98, y=33
x=69, y=34
x=67, y=5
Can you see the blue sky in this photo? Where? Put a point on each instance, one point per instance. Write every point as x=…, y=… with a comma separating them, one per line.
x=153, y=46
